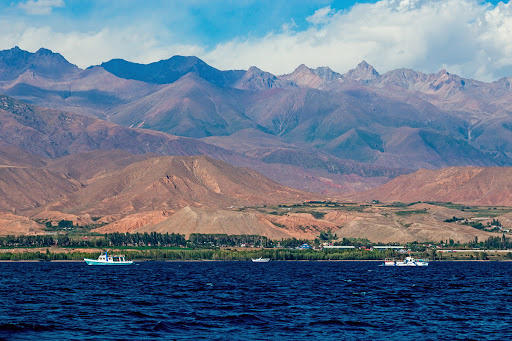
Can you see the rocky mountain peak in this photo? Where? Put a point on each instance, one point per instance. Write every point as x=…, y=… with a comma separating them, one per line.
x=14, y=51
x=364, y=65
x=257, y=79
x=12, y=56
x=451, y=83
x=44, y=62
x=302, y=68
x=300, y=71
x=187, y=63
x=313, y=78
x=363, y=72
x=326, y=73
x=504, y=83
x=45, y=52
x=254, y=69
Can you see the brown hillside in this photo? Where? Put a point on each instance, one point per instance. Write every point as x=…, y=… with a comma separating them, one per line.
x=15, y=225
x=173, y=182
x=383, y=224
x=206, y=220
x=25, y=184
x=89, y=166
x=133, y=222
x=465, y=185
x=81, y=220
x=386, y=229
x=203, y=220
x=377, y=224
x=14, y=156
x=25, y=188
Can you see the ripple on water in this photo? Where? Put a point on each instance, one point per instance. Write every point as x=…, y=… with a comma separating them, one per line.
x=238, y=301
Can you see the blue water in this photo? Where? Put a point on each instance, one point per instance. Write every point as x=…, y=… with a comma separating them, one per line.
x=256, y=301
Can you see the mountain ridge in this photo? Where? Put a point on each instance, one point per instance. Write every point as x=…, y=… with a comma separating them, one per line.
x=15, y=61
x=170, y=70
x=400, y=119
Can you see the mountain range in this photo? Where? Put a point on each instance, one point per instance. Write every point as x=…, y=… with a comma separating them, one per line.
x=153, y=146
x=402, y=120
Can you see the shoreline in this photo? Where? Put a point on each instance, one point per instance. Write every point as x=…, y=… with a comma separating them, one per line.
x=215, y=255
x=222, y=260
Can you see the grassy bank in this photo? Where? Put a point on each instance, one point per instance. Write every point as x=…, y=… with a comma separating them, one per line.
x=185, y=254
x=204, y=254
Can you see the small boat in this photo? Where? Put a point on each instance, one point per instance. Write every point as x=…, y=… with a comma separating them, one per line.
x=408, y=261
x=105, y=259
x=260, y=260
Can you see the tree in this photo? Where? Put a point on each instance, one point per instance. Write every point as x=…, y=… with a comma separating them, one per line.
x=433, y=254
x=65, y=223
x=324, y=236
x=495, y=222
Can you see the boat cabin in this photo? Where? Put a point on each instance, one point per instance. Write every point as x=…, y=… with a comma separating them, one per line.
x=115, y=258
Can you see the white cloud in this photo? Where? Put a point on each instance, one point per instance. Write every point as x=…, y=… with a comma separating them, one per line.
x=289, y=26
x=93, y=48
x=321, y=16
x=40, y=7
x=463, y=36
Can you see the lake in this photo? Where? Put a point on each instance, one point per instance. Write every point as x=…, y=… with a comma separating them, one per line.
x=255, y=301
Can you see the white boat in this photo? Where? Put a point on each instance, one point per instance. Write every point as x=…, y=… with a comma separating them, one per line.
x=408, y=261
x=260, y=260
x=105, y=259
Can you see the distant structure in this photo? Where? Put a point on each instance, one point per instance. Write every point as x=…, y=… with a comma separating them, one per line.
x=386, y=247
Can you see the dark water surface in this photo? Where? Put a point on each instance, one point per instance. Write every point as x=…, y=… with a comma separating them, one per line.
x=256, y=301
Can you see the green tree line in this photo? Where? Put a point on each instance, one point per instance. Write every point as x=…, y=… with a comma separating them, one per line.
x=210, y=254
x=152, y=239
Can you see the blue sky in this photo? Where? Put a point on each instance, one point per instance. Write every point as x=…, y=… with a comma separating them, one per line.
x=468, y=37
x=205, y=22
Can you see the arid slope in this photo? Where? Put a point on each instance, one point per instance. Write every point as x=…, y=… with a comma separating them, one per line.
x=465, y=185
x=168, y=183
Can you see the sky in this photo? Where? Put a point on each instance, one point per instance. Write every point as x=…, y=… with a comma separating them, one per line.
x=471, y=38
